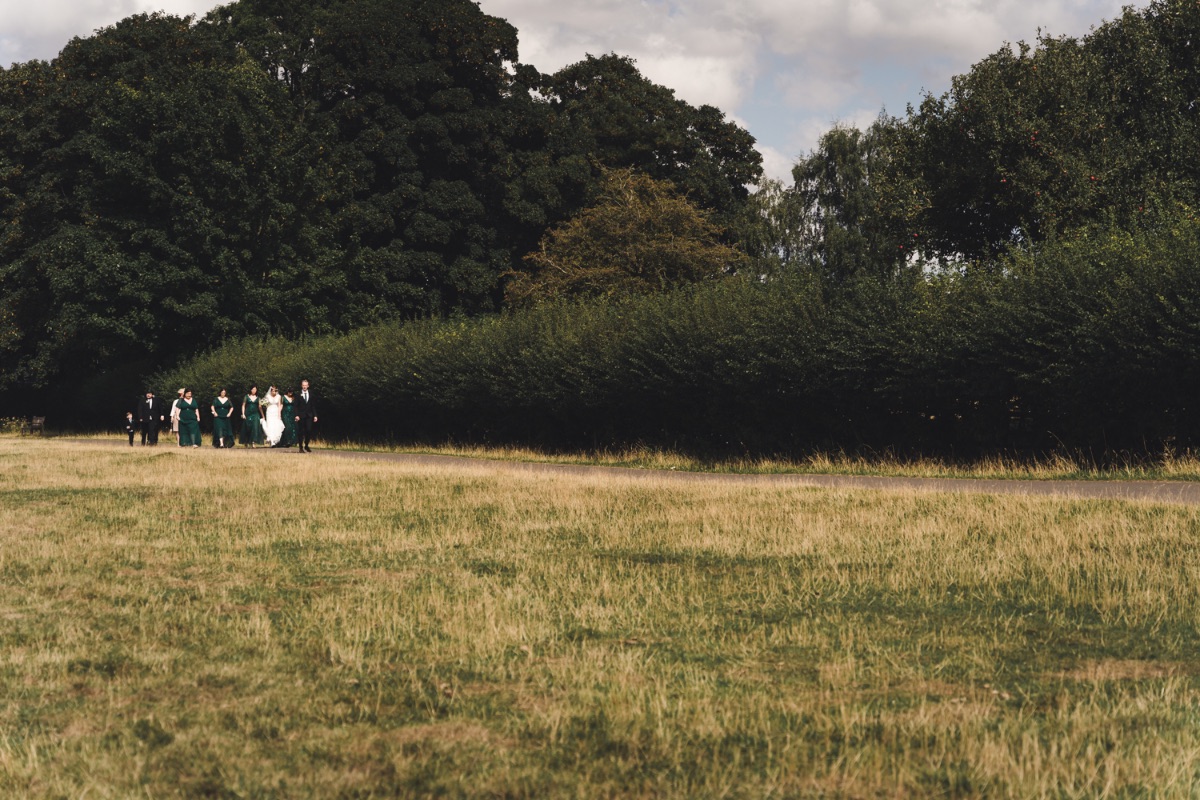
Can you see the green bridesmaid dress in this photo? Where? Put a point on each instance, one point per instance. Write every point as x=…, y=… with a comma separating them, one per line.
x=189, y=423
x=252, y=430
x=288, y=439
x=222, y=426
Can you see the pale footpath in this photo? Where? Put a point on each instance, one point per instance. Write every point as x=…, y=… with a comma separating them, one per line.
x=1185, y=492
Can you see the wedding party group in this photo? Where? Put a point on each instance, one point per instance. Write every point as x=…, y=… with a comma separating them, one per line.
x=274, y=419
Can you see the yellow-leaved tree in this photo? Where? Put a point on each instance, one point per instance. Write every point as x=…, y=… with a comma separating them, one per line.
x=640, y=236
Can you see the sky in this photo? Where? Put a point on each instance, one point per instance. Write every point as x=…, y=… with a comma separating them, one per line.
x=786, y=70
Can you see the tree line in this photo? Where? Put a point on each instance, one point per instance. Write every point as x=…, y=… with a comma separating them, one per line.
x=301, y=168
x=1009, y=264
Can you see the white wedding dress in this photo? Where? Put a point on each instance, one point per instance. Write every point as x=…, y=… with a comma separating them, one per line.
x=272, y=421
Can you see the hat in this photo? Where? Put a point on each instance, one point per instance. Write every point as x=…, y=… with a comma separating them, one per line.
x=181, y=391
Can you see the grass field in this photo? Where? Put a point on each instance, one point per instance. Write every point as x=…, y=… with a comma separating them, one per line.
x=261, y=624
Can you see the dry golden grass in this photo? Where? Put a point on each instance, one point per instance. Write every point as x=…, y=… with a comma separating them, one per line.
x=260, y=624
x=1167, y=466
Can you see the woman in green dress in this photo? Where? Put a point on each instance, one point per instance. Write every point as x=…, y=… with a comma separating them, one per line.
x=222, y=410
x=252, y=430
x=288, y=439
x=189, y=421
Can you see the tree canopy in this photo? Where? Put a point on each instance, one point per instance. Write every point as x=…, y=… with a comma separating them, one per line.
x=641, y=236
x=1040, y=140
x=602, y=107
x=147, y=201
x=304, y=167
x=1035, y=142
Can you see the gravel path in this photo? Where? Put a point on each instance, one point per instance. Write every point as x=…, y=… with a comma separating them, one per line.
x=1155, y=491
x=1186, y=492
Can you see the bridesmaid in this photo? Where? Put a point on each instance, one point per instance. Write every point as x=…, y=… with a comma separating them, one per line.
x=252, y=430
x=222, y=410
x=289, y=422
x=189, y=421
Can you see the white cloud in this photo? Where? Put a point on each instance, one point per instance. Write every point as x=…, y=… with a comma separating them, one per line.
x=777, y=165
x=39, y=30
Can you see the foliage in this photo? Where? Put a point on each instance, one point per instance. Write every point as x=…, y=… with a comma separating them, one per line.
x=603, y=109
x=409, y=105
x=1047, y=139
x=136, y=222
x=1013, y=265
x=775, y=229
x=286, y=169
x=641, y=236
x=1084, y=343
x=852, y=191
x=1034, y=142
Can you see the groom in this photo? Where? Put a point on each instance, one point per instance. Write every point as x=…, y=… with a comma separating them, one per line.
x=151, y=414
x=305, y=408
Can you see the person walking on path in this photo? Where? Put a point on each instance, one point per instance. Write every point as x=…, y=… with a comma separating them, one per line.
x=305, y=410
x=189, y=420
x=175, y=414
x=289, y=421
x=151, y=414
x=272, y=406
x=222, y=410
x=252, y=431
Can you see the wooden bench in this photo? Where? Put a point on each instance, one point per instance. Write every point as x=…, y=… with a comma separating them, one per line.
x=36, y=424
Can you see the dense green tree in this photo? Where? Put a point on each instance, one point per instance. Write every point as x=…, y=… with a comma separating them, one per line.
x=858, y=203
x=605, y=110
x=146, y=195
x=774, y=229
x=852, y=211
x=303, y=167
x=1051, y=138
x=414, y=106
x=454, y=158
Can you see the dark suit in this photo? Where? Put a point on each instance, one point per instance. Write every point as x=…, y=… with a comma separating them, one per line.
x=150, y=415
x=305, y=411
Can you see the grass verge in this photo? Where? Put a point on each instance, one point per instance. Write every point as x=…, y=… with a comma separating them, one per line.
x=1167, y=467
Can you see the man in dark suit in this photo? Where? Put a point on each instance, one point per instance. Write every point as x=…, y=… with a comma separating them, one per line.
x=304, y=406
x=150, y=416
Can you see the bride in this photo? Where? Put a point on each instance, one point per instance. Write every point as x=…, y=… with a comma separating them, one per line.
x=272, y=420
